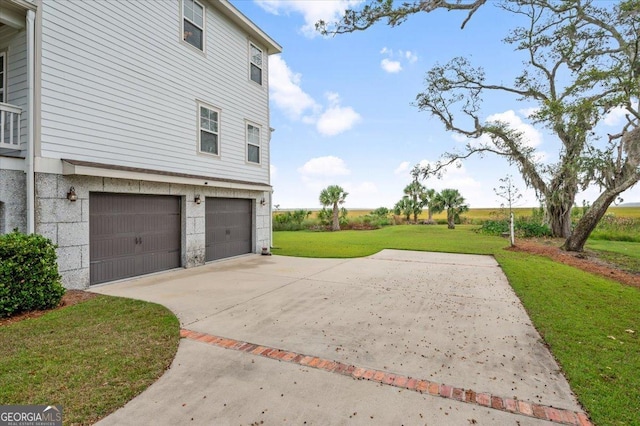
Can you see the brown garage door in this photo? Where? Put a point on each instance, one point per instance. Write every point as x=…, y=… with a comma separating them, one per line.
x=132, y=235
x=228, y=227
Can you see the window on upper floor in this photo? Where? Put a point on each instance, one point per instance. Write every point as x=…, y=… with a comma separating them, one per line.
x=209, y=130
x=255, y=60
x=193, y=14
x=3, y=77
x=253, y=143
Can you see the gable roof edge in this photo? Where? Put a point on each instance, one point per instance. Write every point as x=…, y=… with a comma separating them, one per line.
x=247, y=25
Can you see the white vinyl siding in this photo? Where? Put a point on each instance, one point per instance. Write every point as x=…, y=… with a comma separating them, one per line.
x=14, y=44
x=107, y=102
x=253, y=143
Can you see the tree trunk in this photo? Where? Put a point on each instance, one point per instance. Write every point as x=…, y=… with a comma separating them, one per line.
x=451, y=221
x=336, y=218
x=589, y=221
x=559, y=216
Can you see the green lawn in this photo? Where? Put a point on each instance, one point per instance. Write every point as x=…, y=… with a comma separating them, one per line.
x=624, y=254
x=91, y=357
x=364, y=243
x=583, y=318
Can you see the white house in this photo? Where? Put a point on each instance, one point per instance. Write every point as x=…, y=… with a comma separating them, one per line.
x=134, y=134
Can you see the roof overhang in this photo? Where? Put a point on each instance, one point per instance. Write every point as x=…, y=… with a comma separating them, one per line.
x=86, y=168
x=247, y=25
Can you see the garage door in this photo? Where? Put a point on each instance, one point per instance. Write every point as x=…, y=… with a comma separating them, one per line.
x=228, y=227
x=132, y=235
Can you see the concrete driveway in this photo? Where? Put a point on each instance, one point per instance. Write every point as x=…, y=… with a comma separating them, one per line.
x=399, y=337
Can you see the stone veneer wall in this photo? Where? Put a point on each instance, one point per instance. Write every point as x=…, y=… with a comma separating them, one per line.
x=13, y=201
x=66, y=223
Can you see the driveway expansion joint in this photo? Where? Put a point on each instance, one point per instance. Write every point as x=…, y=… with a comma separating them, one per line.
x=510, y=405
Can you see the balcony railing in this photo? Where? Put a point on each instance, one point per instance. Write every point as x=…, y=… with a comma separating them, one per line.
x=10, y=126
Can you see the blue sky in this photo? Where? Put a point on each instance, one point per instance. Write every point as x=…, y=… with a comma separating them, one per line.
x=342, y=106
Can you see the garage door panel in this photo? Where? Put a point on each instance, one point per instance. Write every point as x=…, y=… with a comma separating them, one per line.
x=132, y=235
x=229, y=224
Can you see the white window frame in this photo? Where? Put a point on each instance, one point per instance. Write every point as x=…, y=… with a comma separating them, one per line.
x=3, y=54
x=204, y=26
x=248, y=142
x=199, y=129
x=261, y=66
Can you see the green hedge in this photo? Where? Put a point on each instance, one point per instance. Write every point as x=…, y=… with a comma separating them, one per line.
x=29, y=278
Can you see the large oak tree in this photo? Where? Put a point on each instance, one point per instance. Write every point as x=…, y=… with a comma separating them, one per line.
x=581, y=61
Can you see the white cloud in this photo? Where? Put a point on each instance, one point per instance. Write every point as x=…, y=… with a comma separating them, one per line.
x=328, y=166
x=390, y=66
x=393, y=61
x=528, y=112
x=531, y=136
x=296, y=104
x=312, y=11
x=336, y=118
x=273, y=170
x=286, y=92
x=410, y=56
x=402, y=168
x=616, y=116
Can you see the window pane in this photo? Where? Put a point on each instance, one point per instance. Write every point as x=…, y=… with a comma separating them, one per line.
x=253, y=134
x=208, y=142
x=254, y=154
x=197, y=15
x=256, y=56
x=256, y=74
x=192, y=34
x=188, y=9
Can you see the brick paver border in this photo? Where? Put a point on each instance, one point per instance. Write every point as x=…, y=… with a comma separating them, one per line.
x=515, y=406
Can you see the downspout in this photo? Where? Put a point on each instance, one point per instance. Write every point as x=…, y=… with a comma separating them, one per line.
x=30, y=122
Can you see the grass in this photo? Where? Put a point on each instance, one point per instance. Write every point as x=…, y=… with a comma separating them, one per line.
x=91, y=357
x=582, y=317
x=626, y=255
x=405, y=237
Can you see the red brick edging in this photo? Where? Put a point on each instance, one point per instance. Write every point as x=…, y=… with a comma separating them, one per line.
x=515, y=406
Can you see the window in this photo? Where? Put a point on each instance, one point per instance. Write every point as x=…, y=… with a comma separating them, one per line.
x=256, y=63
x=3, y=75
x=193, y=23
x=209, y=135
x=253, y=144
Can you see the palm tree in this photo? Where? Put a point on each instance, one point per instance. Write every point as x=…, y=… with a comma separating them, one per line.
x=404, y=207
x=428, y=198
x=451, y=201
x=415, y=191
x=333, y=195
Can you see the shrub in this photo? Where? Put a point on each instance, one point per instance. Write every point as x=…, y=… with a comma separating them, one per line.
x=291, y=221
x=367, y=222
x=29, y=278
x=523, y=227
x=617, y=229
x=381, y=212
x=495, y=227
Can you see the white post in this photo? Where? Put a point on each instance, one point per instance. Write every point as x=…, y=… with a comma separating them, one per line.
x=511, y=231
x=31, y=59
